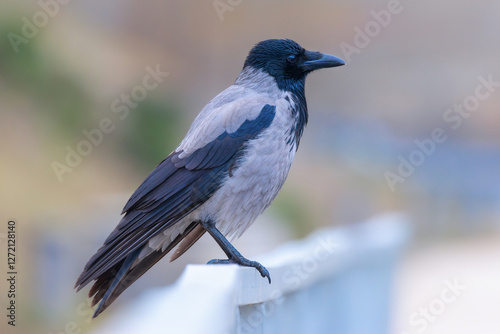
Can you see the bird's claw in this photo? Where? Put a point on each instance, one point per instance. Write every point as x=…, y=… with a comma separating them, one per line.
x=262, y=270
x=245, y=263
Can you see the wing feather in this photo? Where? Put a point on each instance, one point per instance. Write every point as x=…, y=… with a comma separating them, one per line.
x=176, y=187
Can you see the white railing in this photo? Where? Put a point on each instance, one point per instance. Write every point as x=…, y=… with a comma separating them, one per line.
x=337, y=280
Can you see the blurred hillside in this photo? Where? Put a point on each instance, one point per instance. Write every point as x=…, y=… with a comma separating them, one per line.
x=59, y=81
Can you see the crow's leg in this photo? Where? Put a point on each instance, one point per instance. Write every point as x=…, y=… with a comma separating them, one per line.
x=232, y=253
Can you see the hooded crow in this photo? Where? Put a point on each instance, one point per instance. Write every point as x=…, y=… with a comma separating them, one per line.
x=226, y=172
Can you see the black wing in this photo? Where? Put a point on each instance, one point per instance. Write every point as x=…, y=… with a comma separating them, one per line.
x=175, y=188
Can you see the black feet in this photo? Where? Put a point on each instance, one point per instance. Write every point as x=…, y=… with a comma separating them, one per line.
x=245, y=263
x=232, y=253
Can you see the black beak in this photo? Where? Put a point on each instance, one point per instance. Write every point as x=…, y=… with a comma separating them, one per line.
x=317, y=60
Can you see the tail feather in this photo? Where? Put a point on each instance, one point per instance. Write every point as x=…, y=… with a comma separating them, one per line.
x=110, y=284
x=102, y=284
x=188, y=241
x=122, y=274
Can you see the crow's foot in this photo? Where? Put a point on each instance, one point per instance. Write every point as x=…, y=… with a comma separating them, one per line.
x=245, y=263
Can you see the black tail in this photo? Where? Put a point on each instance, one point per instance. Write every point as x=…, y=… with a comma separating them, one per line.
x=111, y=283
x=121, y=281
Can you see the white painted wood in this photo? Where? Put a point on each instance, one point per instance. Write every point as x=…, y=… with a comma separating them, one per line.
x=335, y=281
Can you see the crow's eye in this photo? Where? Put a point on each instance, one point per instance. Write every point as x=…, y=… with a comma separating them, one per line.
x=292, y=59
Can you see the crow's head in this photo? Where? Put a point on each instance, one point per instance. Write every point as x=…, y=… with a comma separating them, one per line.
x=287, y=61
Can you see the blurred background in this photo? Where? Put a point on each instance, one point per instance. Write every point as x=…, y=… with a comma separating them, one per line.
x=410, y=124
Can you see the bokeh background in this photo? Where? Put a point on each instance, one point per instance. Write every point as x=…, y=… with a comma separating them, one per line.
x=60, y=76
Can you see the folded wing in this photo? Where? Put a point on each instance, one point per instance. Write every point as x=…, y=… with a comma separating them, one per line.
x=177, y=186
